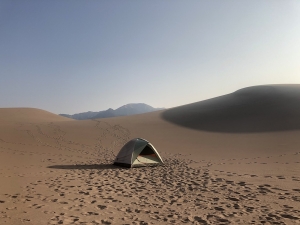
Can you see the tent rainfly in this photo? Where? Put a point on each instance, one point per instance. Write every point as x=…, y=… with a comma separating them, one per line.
x=138, y=152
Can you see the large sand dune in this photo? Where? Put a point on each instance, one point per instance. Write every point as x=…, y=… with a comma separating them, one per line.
x=241, y=166
x=254, y=109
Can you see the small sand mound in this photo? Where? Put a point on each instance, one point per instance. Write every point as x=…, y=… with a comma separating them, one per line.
x=28, y=115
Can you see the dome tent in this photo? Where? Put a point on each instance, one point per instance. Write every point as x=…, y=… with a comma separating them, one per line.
x=138, y=152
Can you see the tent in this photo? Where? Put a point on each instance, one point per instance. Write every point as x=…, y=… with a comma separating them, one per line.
x=138, y=152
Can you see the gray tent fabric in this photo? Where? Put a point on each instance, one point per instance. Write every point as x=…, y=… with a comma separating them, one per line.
x=138, y=152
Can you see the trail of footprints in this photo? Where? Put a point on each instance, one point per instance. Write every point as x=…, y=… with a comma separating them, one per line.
x=174, y=194
x=121, y=135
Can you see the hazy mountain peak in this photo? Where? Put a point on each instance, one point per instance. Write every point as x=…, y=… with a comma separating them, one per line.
x=125, y=110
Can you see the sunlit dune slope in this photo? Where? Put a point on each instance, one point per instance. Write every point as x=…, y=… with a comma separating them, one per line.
x=254, y=109
x=28, y=115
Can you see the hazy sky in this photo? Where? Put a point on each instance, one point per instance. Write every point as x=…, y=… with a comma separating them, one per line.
x=73, y=56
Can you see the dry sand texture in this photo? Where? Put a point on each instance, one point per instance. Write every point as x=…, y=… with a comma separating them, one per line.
x=56, y=170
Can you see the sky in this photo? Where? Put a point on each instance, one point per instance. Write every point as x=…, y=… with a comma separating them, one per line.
x=71, y=56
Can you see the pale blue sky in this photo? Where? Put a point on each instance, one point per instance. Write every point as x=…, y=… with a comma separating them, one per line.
x=73, y=56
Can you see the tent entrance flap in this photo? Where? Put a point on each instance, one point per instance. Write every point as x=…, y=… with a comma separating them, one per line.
x=147, y=151
x=144, y=159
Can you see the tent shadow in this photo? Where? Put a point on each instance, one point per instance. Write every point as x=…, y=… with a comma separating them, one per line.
x=86, y=167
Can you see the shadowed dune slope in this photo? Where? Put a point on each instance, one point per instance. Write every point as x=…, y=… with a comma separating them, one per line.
x=28, y=115
x=254, y=109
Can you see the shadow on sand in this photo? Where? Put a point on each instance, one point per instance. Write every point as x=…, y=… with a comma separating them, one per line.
x=86, y=167
x=254, y=109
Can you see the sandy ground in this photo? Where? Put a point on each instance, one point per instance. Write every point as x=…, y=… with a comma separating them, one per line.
x=56, y=170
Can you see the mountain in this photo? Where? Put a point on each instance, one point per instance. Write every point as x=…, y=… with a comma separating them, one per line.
x=105, y=114
x=131, y=109
x=81, y=116
x=125, y=110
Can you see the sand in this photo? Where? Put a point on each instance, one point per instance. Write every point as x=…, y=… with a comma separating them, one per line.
x=55, y=170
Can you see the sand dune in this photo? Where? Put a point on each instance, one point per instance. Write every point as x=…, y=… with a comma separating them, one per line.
x=14, y=115
x=254, y=109
x=55, y=170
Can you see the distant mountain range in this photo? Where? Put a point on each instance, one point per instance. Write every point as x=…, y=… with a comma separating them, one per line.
x=125, y=110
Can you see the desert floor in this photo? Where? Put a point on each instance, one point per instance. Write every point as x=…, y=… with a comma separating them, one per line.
x=56, y=170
